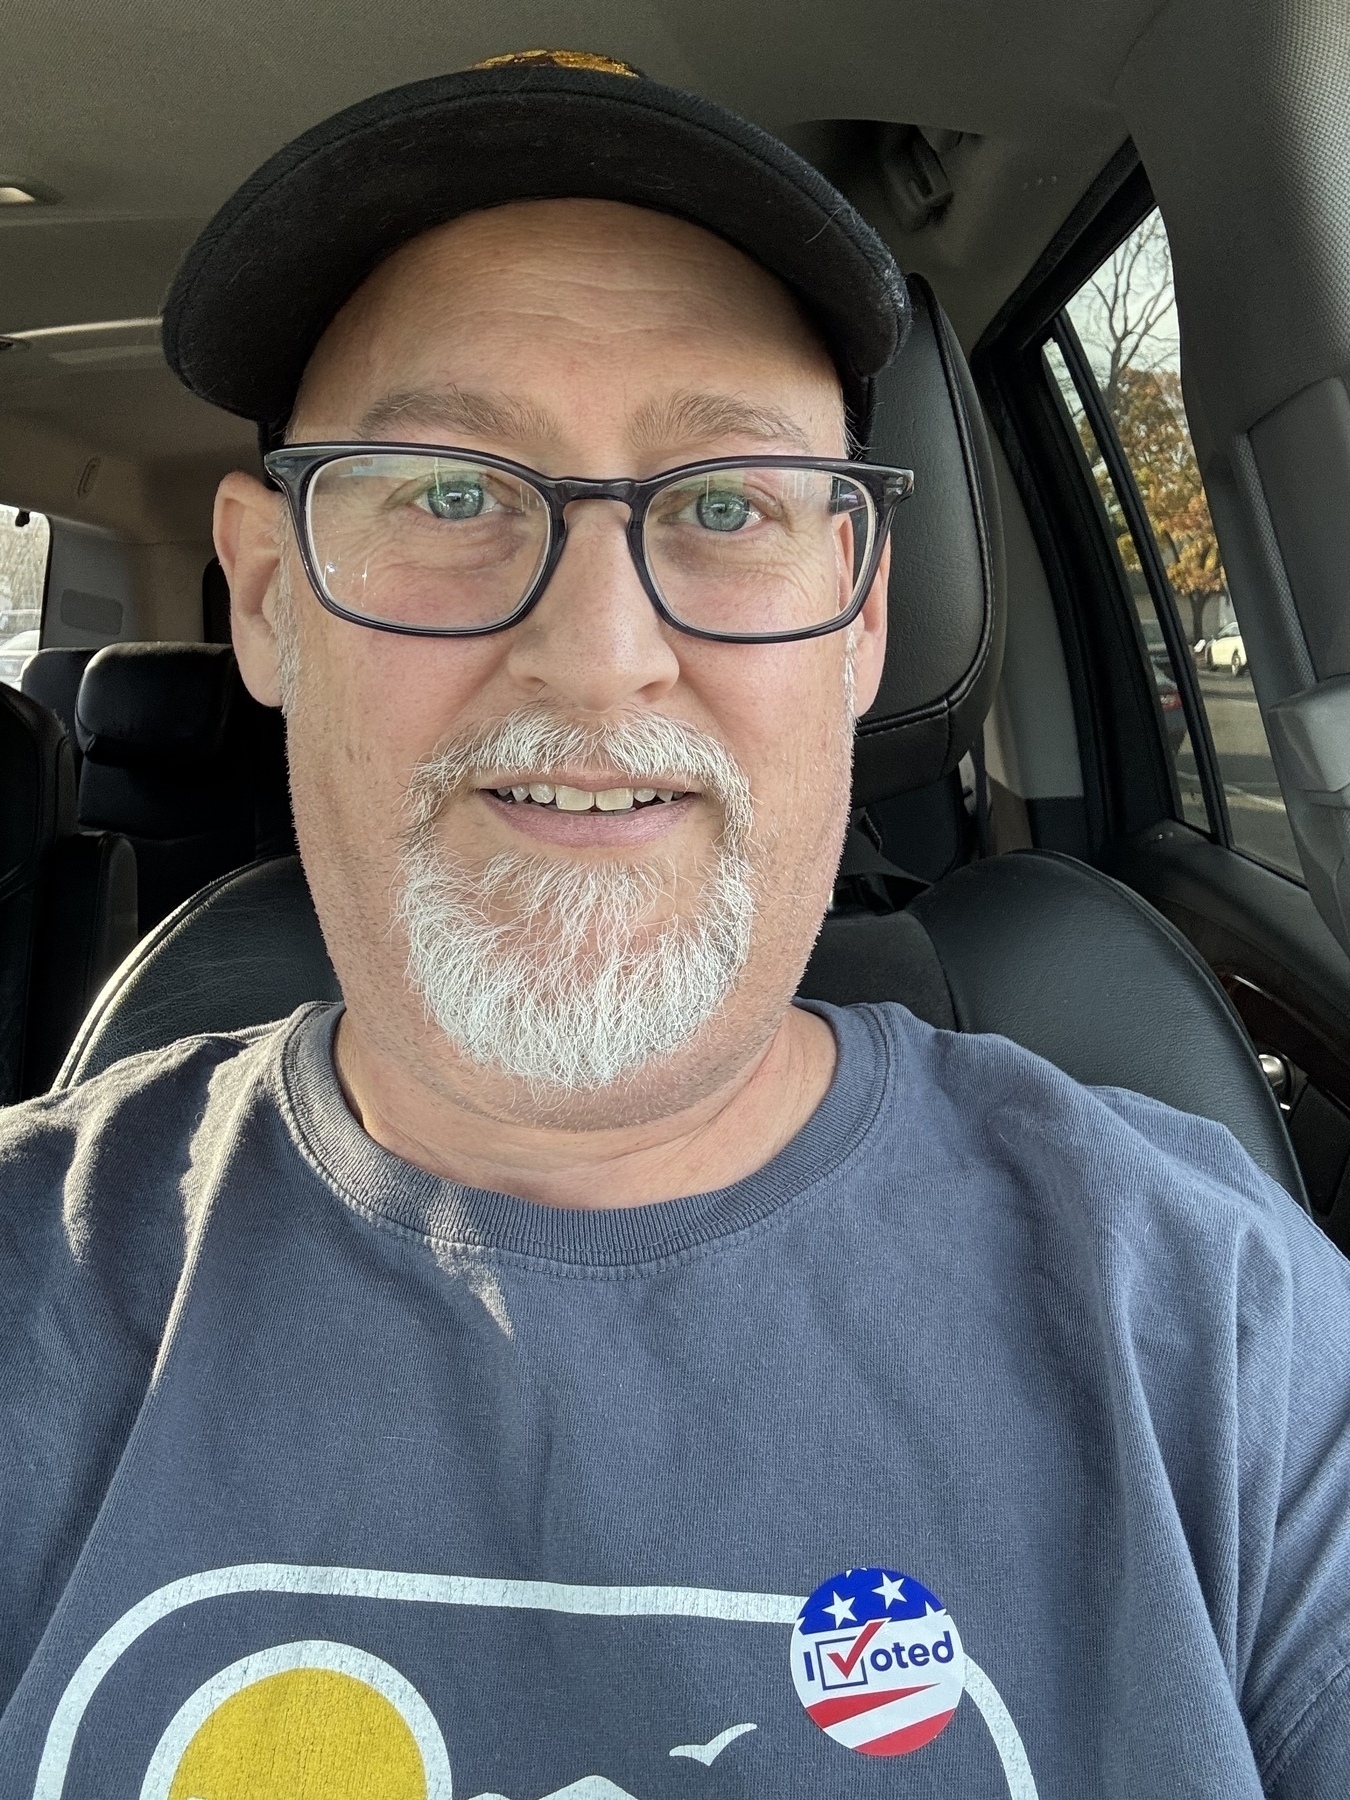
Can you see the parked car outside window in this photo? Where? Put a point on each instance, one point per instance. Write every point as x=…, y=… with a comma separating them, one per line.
x=1225, y=650
x=15, y=655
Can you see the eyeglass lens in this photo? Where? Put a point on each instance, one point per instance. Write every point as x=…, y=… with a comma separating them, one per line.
x=451, y=544
x=426, y=541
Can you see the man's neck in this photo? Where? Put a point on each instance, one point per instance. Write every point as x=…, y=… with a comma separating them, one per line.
x=720, y=1138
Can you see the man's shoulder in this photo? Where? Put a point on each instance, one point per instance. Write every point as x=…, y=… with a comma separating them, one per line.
x=132, y=1122
x=168, y=1065
x=1156, y=1221
x=102, y=1189
x=1126, y=1158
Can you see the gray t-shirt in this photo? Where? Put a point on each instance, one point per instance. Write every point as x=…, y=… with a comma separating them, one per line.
x=991, y=1440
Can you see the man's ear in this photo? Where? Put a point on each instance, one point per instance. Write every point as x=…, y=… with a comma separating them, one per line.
x=869, y=637
x=247, y=529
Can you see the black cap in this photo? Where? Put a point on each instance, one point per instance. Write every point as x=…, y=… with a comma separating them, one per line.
x=275, y=265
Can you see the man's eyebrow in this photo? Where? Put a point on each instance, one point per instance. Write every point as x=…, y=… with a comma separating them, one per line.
x=685, y=417
x=457, y=409
x=699, y=417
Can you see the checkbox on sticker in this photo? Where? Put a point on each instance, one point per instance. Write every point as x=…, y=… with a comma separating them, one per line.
x=842, y=1662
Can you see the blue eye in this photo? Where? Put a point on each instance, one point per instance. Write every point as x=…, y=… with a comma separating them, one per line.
x=723, y=510
x=456, y=499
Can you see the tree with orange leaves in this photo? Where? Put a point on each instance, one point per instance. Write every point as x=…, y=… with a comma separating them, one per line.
x=1126, y=317
x=1150, y=419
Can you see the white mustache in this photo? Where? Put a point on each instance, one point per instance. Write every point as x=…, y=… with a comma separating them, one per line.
x=649, y=749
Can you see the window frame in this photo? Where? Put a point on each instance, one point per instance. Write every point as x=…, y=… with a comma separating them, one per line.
x=1064, y=333
x=1129, y=777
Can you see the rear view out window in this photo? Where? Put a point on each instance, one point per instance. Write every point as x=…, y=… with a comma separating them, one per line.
x=1175, y=726
x=25, y=540
x=1123, y=324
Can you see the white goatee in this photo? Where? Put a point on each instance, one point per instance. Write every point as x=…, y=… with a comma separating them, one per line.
x=564, y=974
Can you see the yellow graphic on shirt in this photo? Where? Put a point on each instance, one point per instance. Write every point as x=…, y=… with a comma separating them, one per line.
x=304, y=1721
x=310, y=1734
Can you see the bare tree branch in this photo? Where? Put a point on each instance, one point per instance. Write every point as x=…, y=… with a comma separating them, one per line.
x=1133, y=295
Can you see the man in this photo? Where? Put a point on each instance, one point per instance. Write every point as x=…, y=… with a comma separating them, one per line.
x=571, y=1368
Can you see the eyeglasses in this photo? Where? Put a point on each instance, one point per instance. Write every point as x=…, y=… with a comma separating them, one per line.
x=440, y=542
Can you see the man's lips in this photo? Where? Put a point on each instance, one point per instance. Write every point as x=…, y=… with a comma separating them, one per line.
x=587, y=830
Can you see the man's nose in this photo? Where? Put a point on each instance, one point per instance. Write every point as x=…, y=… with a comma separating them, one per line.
x=594, y=639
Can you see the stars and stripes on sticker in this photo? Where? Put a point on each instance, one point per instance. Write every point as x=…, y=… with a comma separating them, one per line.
x=877, y=1661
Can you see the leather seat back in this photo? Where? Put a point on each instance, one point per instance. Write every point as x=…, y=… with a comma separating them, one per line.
x=52, y=677
x=1053, y=954
x=67, y=899
x=36, y=806
x=946, y=600
x=244, y=950
x=1037, y=947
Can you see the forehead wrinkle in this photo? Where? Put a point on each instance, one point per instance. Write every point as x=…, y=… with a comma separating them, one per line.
x=676, y=418
x=482, y=414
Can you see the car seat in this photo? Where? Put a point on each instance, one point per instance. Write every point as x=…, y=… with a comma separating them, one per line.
x=1036, y=946
x=67, y=899
x=52, y=677
x=180, y=758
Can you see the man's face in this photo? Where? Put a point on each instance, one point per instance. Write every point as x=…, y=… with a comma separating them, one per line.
x=582, y=339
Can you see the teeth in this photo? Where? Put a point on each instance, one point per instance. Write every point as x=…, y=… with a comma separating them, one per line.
x=571, y=799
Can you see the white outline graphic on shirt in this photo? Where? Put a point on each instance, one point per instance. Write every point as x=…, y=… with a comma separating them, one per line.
x=708, y=1753
x=280, y=1659
x=458, y=1590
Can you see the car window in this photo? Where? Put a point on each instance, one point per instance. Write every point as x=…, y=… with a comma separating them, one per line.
x=25, y=542
x=1124, y=319
x=1172, y=719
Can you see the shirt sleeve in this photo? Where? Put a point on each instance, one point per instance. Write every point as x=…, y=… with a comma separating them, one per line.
x=97, y=1204
x=1260, y=1452
x=1297, y=1690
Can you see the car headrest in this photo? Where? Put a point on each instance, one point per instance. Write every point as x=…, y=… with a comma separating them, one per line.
x=947, y=603
x=141, y=703
x=52, y=678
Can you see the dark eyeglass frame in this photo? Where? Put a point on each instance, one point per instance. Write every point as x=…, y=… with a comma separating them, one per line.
x=295, y=467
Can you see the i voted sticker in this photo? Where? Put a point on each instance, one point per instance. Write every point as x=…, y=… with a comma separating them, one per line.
x=877, y=1661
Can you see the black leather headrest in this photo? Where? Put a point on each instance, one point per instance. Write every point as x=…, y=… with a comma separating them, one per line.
x=947, y=605
x=143, y=703
x=52, y=678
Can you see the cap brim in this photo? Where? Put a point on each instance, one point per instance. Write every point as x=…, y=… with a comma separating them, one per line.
x=272, y=269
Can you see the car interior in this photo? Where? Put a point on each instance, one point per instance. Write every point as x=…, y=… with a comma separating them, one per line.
x=1102, y=802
